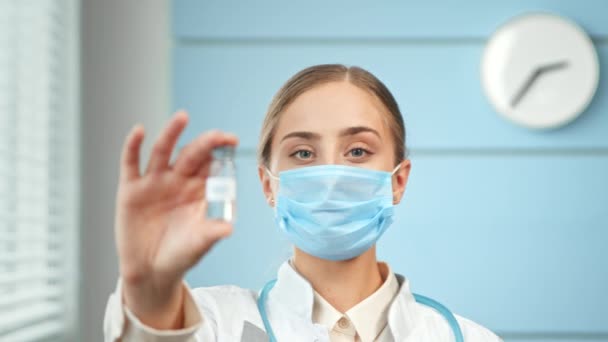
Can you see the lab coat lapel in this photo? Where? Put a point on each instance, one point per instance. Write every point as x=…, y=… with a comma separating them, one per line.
x=252, y=333
x=290, y=305
x=403, y=313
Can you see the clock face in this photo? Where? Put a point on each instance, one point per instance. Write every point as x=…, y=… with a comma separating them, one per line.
x=540, y=70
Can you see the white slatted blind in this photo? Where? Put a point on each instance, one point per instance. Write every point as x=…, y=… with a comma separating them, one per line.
x=38, y=169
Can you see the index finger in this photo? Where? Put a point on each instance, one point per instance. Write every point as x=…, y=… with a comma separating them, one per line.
x=196, y=153
x=161, y=151
x=129, y=166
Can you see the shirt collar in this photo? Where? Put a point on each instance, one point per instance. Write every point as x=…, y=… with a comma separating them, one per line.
x=370, y=316
x=294, y=293
x=323, y=313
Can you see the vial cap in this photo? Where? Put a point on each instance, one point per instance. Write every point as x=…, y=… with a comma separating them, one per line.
x=223, y=152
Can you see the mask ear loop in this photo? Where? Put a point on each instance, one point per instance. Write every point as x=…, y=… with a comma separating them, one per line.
x=272, y=201
x=271, y=174
x=395, y=169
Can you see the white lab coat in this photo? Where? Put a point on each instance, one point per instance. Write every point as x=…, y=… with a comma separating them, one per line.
x=230, y=313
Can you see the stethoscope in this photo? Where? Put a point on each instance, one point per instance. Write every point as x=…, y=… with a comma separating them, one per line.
x=445, y=312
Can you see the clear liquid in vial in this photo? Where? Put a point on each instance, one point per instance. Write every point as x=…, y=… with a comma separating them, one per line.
x=222, y=210
x=220, y=193
x=220, y=188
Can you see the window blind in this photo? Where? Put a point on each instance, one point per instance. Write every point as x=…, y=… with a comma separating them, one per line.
x=38, y=169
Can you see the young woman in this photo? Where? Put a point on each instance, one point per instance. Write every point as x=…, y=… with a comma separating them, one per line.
x=332, y=163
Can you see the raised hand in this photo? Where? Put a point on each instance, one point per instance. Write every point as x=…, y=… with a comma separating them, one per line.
x=160, y=224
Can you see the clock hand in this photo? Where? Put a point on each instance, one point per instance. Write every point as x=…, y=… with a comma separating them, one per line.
x=554, y=66
x=534, y=76
x=522, y=91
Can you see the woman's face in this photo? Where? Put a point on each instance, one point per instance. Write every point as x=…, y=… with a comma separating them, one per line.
x=334, y=123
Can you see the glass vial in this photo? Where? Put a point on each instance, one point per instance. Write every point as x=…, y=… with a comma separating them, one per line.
x=220, y=189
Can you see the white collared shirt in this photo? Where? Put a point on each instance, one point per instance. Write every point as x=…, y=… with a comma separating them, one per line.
x=230, y=313
x=364, y=322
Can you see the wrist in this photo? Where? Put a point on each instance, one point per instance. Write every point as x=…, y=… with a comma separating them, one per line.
x=156, y=307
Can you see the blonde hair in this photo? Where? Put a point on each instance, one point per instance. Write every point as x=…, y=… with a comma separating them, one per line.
x=324, y=73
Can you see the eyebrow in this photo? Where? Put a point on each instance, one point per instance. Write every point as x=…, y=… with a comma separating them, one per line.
x=359, y=129
x=303, y=135
x=345, y=132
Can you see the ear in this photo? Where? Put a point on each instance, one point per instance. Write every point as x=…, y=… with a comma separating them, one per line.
x=400, y=180
x=265, y=180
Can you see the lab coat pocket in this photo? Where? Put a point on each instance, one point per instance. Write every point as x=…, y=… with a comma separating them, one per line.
x=252, y=333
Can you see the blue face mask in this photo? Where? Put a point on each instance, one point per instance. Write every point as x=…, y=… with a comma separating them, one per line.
x=334, y=212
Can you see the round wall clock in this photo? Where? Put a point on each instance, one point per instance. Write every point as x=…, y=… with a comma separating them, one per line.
x=539, y=70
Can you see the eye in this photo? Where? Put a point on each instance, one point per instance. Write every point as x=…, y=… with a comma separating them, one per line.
x=302, y=154
x=358, y=152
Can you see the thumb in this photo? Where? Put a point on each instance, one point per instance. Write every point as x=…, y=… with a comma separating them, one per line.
x=218, y=229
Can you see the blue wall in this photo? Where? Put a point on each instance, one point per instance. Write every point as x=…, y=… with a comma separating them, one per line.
x=507, y=226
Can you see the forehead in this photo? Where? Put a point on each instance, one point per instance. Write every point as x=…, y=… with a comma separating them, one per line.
x=333, y=106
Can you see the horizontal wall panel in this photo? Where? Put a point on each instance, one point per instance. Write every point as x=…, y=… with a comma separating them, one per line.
x=551, y=337
x=437, y=86
x=515, y=243
x=364, y=19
